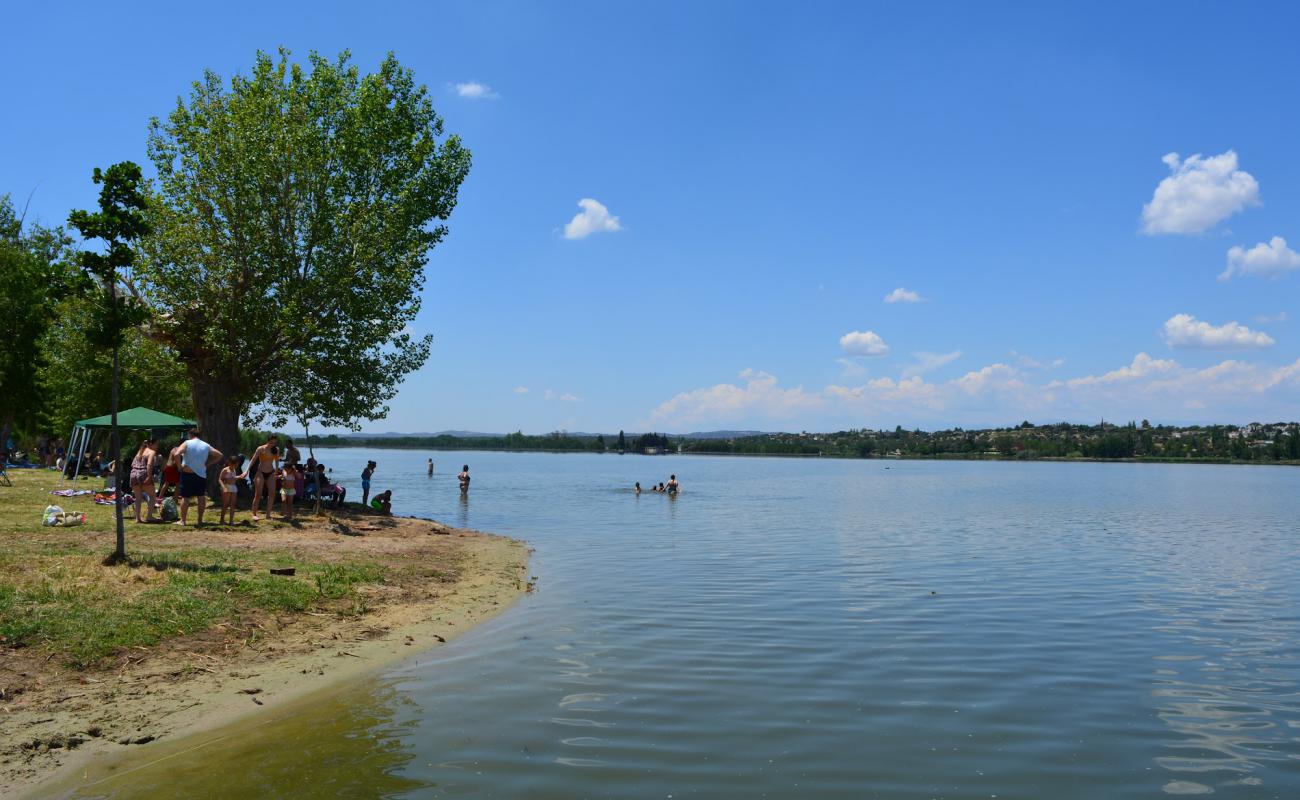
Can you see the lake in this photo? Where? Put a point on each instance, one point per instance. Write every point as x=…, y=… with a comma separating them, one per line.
x=819, y=628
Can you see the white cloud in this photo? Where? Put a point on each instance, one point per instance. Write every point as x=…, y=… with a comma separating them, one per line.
x=594, y=218
x=994, y=377
x=570, y=398
x=521, y=390
x=901, y=295
x=759, y=398
x=1270, y=259
x=1198, y=194
x=1143, y=365
x=1266, y=319
x=997, y=394
x=1029, y=362
x=863, y=343
x=563, y=397
x=1184, y=330
x=928, y=362
x=475, y=91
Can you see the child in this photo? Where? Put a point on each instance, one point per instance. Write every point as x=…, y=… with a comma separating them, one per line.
x=229, y=489
x=365, y=482
x=288, y=488
x=383, y=503
x=638, y=487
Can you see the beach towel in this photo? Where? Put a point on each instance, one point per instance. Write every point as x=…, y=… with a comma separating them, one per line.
x=71, y=492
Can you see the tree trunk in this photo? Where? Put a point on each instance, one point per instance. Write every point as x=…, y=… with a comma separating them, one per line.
x=306, y=432
x=115, y=443
x=218, y=419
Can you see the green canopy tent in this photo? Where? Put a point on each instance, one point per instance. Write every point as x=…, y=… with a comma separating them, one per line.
x=132, y=419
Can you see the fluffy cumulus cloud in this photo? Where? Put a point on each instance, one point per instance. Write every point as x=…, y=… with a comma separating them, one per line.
x=594, y=218
x=474, y=90
x=1142, y=366
x=1199, y=194
x=863, y=343
x=1266, y=260
x=756, y=397
x=997, y=394
x=928, y=362
x=901, y=295
x=1184, y=330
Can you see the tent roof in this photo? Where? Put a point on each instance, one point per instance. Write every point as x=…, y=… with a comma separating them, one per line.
x=138, y=419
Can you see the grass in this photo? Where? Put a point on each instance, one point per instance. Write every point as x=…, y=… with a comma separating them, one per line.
x=57, y=596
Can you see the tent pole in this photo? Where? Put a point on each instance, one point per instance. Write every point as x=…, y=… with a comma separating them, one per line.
x=67, y=453
x=81, y=457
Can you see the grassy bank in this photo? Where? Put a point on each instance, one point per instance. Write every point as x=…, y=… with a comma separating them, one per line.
x=59, y=601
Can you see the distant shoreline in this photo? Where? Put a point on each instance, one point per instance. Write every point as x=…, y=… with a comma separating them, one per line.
x=397, y=444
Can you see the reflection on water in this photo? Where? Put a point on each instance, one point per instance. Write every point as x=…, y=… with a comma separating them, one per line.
x=349, y=744
x=838, y=629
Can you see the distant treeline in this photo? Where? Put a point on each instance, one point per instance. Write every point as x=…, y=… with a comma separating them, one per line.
x=558, y=441
x=1271, y=443
x=1255, y=442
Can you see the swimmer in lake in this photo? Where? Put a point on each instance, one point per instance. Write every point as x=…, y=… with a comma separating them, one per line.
x=638, y=487
x=673, y=485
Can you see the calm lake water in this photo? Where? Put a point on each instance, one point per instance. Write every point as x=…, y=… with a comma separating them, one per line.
x=817, y=628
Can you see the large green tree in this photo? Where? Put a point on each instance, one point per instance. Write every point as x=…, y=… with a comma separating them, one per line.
x=118, y=225
x=32, y=281
x=294, y=213
x=75, y=381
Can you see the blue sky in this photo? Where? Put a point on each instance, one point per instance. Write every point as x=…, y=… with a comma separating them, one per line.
x=775, y=171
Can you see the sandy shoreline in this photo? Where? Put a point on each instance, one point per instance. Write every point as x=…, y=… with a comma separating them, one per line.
x=64, y=728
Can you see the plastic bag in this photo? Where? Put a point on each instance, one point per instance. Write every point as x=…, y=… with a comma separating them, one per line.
x=58, y=518
x=170, y=512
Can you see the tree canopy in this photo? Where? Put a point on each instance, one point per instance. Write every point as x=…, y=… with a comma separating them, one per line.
x=294, y=211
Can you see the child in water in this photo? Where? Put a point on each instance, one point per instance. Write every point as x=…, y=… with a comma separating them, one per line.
x=638, y=487
x=229, y=489
x=288, y=488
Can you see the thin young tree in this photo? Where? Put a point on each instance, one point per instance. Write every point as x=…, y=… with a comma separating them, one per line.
x=119, y=223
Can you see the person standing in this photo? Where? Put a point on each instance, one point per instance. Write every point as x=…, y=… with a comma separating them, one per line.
x=431, y=468
x=291, y=454
x=463, y=477
x=195, y=456
x=262, y=465
x=229, y=479
x=673, y=486
x=288, y=490
x=365, y=481
x=142, y=477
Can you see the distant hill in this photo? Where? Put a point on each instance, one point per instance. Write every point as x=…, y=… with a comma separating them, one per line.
x=719, y=435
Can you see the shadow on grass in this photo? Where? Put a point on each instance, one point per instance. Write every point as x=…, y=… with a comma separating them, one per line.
x=162, y=563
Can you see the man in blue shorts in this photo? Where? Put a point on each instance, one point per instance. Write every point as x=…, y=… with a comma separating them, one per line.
x=195, y=456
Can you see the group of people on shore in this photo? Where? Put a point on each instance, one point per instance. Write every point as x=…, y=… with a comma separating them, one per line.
x=672, y=487
x=182, y=472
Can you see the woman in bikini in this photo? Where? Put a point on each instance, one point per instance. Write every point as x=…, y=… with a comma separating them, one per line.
x=142, y=477
x=262, y=467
